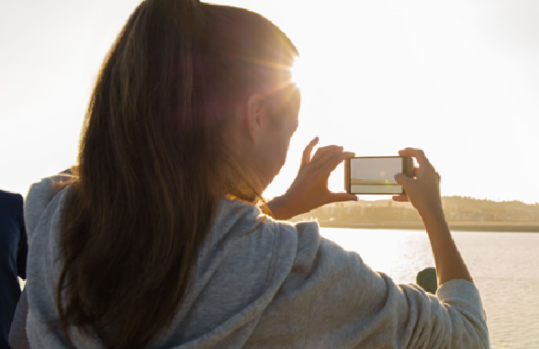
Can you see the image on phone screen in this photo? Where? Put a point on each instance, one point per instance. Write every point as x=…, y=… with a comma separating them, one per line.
x=375, y=175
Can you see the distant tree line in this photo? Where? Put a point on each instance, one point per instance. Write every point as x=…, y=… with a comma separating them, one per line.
x=457, y=209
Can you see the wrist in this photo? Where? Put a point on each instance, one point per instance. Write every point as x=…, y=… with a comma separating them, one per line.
x=283, y=208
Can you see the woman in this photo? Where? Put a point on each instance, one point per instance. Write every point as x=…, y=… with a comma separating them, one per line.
x=156, y=242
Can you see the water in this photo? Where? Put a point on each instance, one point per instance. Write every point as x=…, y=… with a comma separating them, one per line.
x=504, y=267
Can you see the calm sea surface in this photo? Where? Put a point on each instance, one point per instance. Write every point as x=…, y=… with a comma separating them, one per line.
x=504, y=266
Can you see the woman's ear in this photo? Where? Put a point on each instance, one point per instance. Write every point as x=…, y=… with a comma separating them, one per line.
x=256, y=114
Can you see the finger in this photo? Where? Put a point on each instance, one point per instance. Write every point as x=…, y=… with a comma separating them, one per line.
x=403, y=180
x=330, y=157
x=323, y=150
x=306, y=158
x=400, y=198
x=340, y=197
x=416, y=153
x=320, y=158
x=331, y=163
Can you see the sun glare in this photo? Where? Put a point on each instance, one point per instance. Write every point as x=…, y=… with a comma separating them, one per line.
x=297, y=73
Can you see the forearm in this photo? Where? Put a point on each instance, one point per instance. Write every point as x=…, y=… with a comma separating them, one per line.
x=449, y=262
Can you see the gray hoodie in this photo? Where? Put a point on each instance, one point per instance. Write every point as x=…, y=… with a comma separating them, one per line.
x=263, y=283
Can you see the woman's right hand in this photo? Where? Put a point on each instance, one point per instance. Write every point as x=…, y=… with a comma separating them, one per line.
x=423, y=190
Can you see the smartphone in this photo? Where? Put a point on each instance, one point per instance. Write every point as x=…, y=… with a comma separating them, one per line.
x=375, y=175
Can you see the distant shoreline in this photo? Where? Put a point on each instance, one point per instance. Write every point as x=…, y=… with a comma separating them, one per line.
x=454, y=226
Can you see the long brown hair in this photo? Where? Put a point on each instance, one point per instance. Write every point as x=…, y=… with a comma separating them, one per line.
x=153, y=165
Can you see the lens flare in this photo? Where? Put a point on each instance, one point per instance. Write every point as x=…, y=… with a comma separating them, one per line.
x=298, y=73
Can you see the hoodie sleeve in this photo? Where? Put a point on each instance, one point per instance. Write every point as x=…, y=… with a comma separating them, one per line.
x=333, y=300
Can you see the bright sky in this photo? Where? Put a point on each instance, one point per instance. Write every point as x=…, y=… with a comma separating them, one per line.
x=458, y=78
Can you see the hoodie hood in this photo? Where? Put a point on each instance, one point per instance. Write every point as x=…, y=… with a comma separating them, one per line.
x=242, y=264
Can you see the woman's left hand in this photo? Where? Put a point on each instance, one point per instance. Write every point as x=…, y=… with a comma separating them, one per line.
x=310, y=188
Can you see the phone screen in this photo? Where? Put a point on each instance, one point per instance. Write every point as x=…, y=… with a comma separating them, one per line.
x=375, y=175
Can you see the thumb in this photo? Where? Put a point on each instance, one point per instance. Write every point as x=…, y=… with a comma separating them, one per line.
x=403, y=180
x=340, y=197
